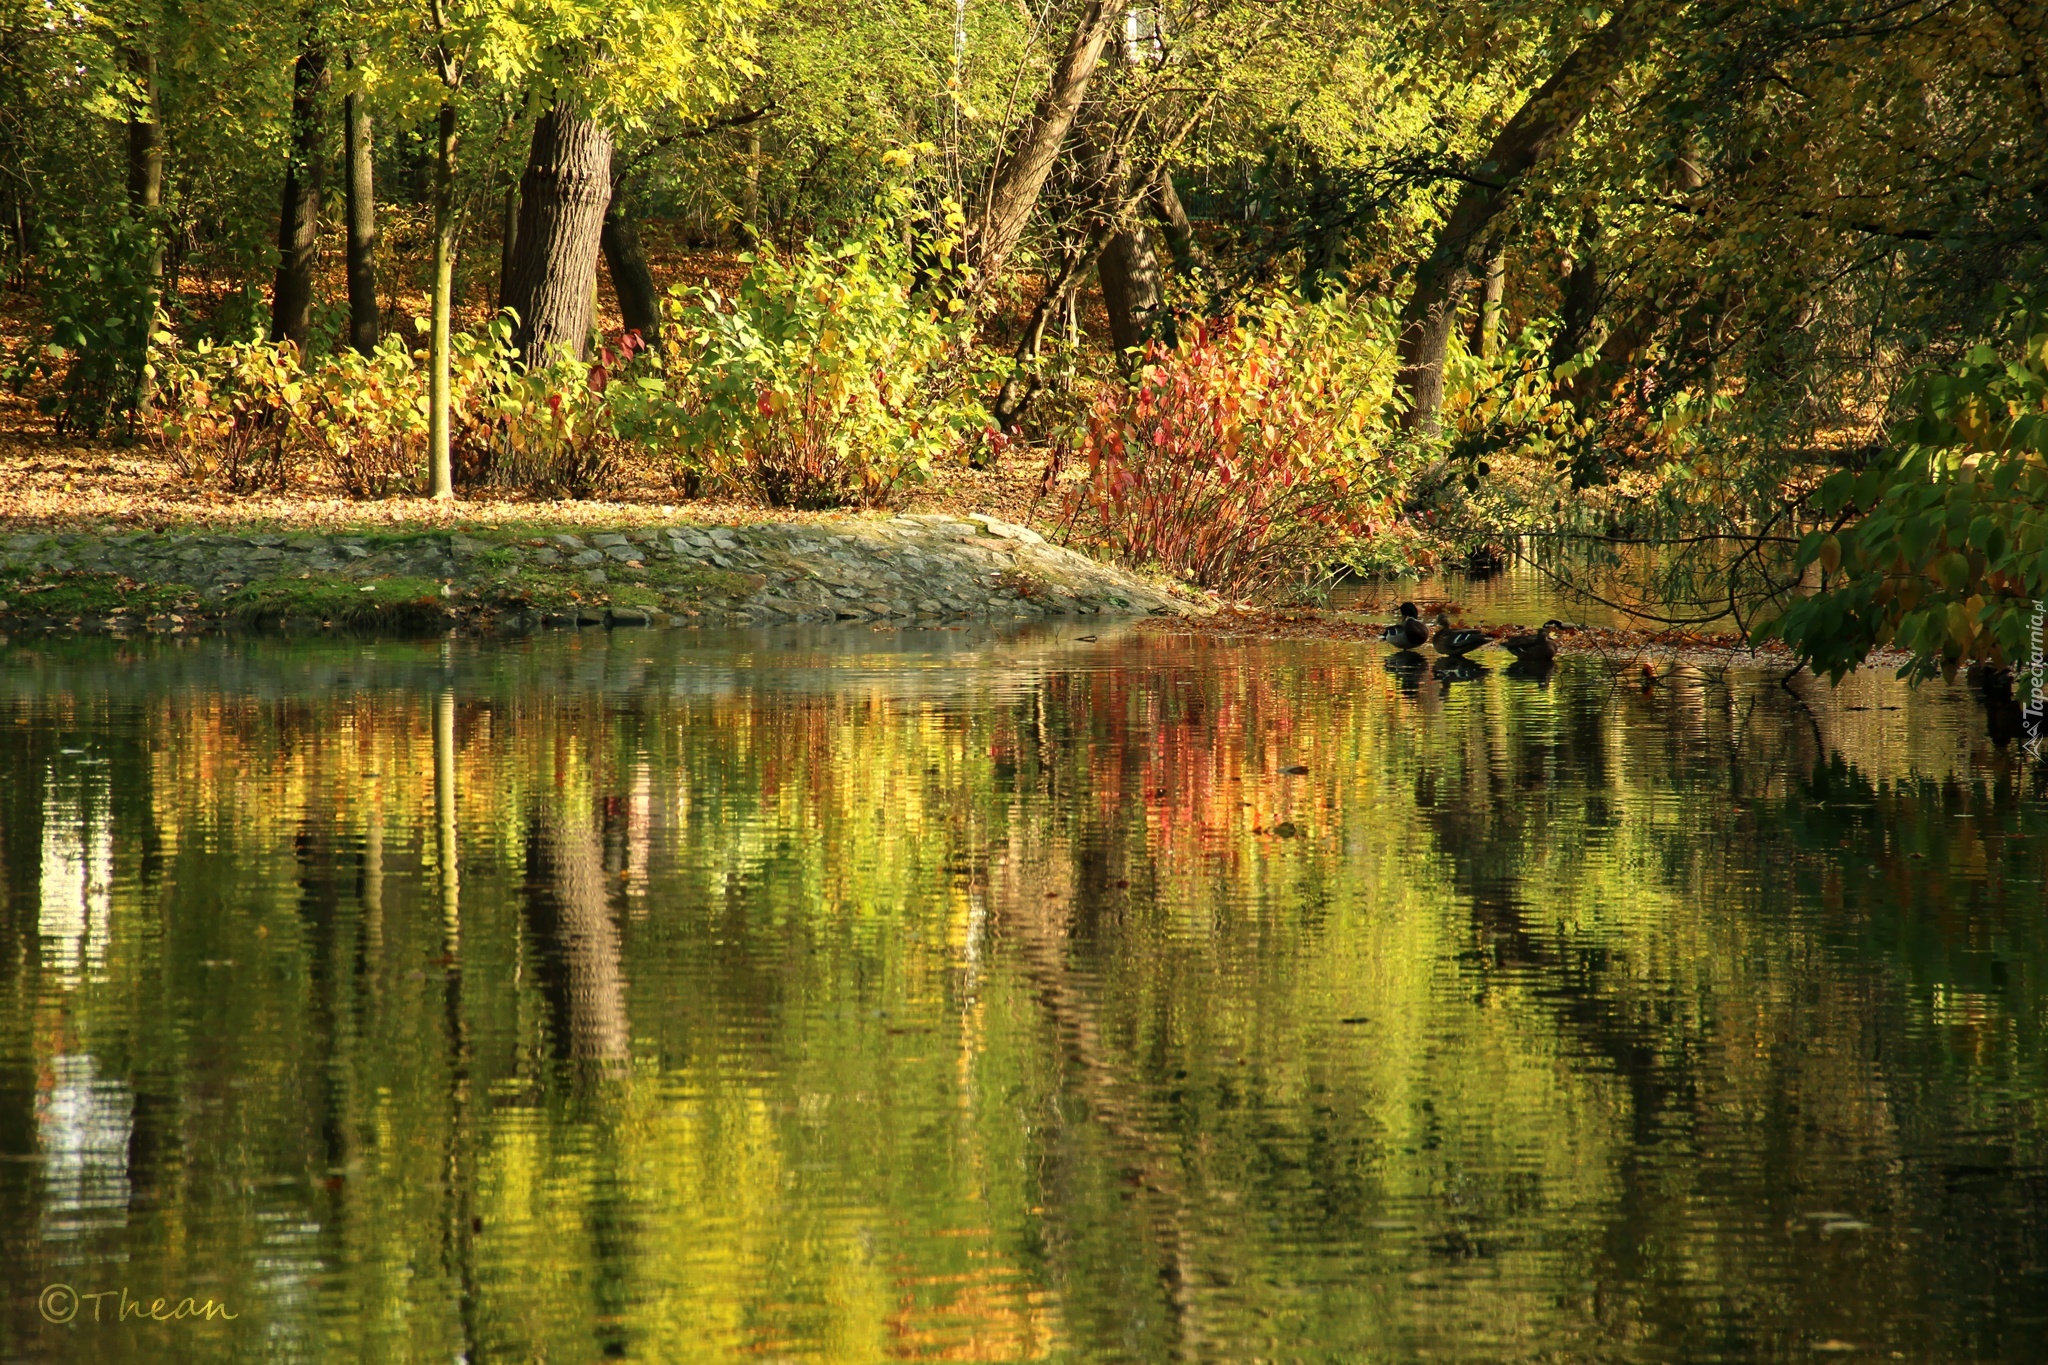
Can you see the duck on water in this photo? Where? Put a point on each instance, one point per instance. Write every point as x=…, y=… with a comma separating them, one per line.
x=1408, y=633
x=1456, y=641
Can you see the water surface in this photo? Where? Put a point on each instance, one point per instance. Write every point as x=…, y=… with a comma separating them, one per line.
x=876, y=995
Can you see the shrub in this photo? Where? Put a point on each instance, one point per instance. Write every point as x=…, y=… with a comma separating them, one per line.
x=246, y=414
x=367, y=416
x=98, y=301
x=1242, y=459
x=556, y=431
x=825, y=380
x=1941, y=548
x=227, y=414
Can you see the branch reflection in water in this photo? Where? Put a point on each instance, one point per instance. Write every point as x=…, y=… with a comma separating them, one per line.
x=992, y=996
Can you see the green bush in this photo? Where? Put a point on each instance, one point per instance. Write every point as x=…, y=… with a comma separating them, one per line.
x=1941, y=550
x=829, y=378
x=99, y=308
x=248, y=415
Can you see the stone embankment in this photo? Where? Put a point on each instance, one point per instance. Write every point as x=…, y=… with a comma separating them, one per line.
x=907, y=569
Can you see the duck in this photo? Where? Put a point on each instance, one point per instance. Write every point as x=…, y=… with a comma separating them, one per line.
x=1409, y=632
x=1456, y=641
x=1533, y=649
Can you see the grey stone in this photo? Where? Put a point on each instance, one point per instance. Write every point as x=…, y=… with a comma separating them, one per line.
x=623, y=553
x=566, y=541
x=595, y=578
x=587, y=559
x=605, y=540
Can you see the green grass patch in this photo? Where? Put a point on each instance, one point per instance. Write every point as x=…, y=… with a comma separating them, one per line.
x=394, y=603
x=88, y=592
x=562, y=587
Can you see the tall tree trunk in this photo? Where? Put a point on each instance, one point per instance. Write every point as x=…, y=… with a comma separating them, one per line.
x=1493, y=293
x=1129, y=271
x=441, y=470
x=508, y=243
x=145, y=156
x=1165, y=204
x=362, y=222
x=1545, y=120
x=562, y=199
x=632, y=281
x=750, y=194
x=1019, y=177
x=1581, y=299
x=298, y=228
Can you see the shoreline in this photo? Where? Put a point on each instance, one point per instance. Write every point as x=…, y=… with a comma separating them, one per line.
x=930, y=568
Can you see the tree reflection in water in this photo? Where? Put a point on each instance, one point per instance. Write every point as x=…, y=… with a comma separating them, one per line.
x=996, y=997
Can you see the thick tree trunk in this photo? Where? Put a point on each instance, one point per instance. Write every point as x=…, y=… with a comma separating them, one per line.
x=298, y=229
x=1019, y=177
x=362, y=223
x=1580, y=303
x=632, y=281
x=1545, y=120
x=562, y=199
x=1493, y=295
x=441, y=470
x=1165, y=204
x=1129, y=271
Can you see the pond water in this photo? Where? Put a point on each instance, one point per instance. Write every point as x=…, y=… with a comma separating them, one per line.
x=954, y=995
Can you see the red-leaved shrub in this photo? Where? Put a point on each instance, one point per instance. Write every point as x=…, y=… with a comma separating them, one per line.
x=1234, y=460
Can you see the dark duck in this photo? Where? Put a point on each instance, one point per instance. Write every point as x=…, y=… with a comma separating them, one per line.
x=1532, y=649
x=1456, y=641
x=1409, y=632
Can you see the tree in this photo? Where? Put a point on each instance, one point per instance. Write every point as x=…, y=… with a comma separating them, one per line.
x=298, y=230
x=562, y=202
x=1441, y=278
x=1016, y=178
x=358, y=153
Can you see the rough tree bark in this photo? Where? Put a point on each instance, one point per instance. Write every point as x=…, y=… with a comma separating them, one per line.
x=298, y=228
x=562, y=200
x=1493, y=295
x=145, y=154
x=1019, y=177
x=1546, y=119
x=1129, y=272
x=1174, y=225
x=1127, y=267
x=632, y=280
x=362, y=221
